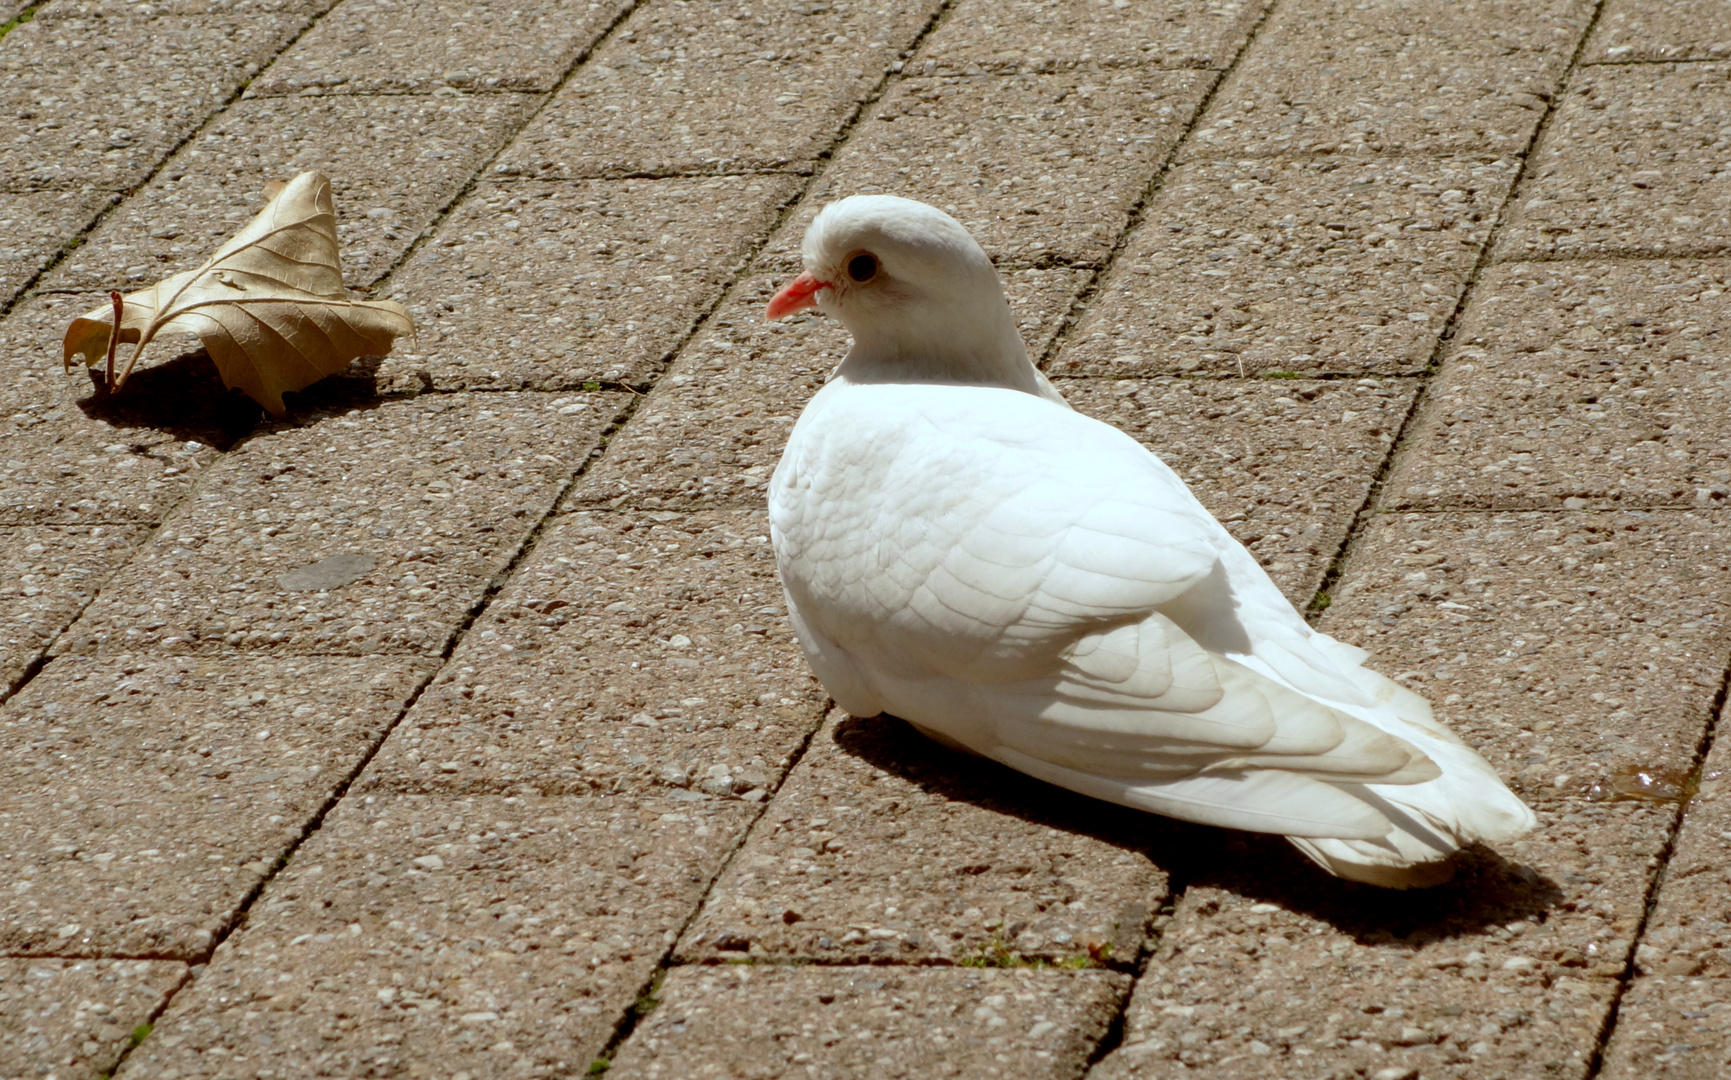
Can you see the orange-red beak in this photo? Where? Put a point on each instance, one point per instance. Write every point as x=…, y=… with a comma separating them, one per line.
x=796, y=295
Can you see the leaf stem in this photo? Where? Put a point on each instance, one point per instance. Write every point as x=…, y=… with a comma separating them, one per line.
x=114, y=337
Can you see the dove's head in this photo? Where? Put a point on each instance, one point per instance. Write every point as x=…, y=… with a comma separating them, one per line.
x=920, y=298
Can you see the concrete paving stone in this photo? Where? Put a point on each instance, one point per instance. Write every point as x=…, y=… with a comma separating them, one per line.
x=1671, y=1029
x=143, y=84
x=35, y=225
x=143, y=799
x=1635, y=30
x=1578, y=384
x=146, y=9
x=731, y=86
x=1567, y=648
x=1047, y=35
x=1268, y=969
x=394, y=161
x=551, y=285
x=1689, y=931
x=1634, y=163
x=713, y=428
x=69, y=458
x=1402, y=77
x=1042, y=169
x=1300, y=265
x=76, y=1017
x=491, y=936
x=47, y=574
x=881, y=1023
x=1284, y=464
x=438, y=492
x=633, y=652
x=391, y=46
x=884, y=847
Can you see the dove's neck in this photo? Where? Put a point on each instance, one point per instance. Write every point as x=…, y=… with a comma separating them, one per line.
x=968, y=341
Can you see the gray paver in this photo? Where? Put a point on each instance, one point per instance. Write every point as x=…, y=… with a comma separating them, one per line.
x=1506, y=972
x=693, y=88
x=76, y=1015
x=883, y=846
x=383, y=45
x=1634, y=30
x=1039, y=168
x=1565, y=647
x=35, y=225
x=1285, y=464
x=142, y=799
x=47, y=573
x=439, y=490
x=713, y=428
x=1577, y=384
x=394, y=161
x=551, y=285
x=1295, y=265
x=633, y=652
x=66, y=458
x=142, y=85
x=1688, y=932
x=1632, y=163
x=1012, y=36
x=1334, y=76
x=880, y=1023
x=1671, y=1028
x=493, y=936
x=110, y=9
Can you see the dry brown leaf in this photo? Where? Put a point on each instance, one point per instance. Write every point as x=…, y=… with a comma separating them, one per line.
x=269, y=306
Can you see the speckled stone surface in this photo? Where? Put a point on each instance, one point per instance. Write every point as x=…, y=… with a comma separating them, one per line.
x=1013, y=36
x=143, y=799
x=1580, y=384
x=75, y=1017
x=36, y=225
x=877, y=1023
x=498, y=936
x=372, y=46
x=1632, y=164
x=1671, y=1028
x=394, y=161
x=436, y=493
x=541, y=285
x=47, y=574
x=1635, y=30
x=1303, y=265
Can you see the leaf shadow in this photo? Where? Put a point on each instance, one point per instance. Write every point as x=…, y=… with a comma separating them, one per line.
x=1486, y=890
x=183, y=397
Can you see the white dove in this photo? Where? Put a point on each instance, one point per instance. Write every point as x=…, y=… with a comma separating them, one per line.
x=962, y=550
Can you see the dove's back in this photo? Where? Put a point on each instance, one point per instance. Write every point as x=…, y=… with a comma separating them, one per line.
x=1033, y=585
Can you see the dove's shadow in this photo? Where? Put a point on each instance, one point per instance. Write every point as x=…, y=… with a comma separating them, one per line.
x=1487, y=890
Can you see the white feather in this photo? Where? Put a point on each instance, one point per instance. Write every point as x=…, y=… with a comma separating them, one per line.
x=962, y=550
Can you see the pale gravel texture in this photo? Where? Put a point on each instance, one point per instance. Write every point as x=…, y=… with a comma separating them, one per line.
x=439, y=491
x=494, y=936
x=1011, y=36
x=1689, y=931
x=1565, y=647
x=47, y=574
x=538, y=285
x=394, y=162
x=1671, y=1028
x=1633, y=163
x=142, y=799
x=1303, y=265
x=35, y=225
x=143, y=84
x=709, y=87
x=884, y=847
x=1407, y=77
x=1635, y=30
x=373, y=46
x=1041, y=169
x=698, y=440
x=632, y=653
x=870, y=1024
x=1580, y=384
x=76, y=1015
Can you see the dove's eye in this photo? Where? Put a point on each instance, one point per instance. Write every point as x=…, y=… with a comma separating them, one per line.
x=862, y=267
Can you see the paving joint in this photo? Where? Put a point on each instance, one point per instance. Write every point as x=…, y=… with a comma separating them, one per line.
x=1373, y=493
